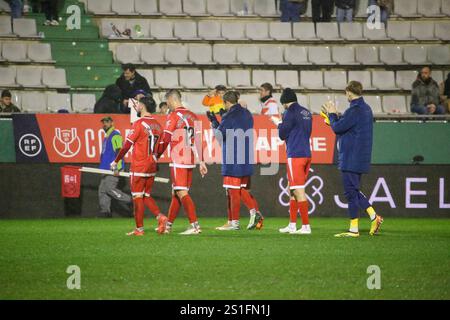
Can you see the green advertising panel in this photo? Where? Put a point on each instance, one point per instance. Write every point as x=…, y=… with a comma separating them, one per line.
x=8, y=153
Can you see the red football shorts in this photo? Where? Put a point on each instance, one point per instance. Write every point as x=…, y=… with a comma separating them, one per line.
x=297, y=172
x=236, y=182
x=181, y=178
x=141, y=184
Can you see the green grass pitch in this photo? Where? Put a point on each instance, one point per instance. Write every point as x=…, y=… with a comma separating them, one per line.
x=413, y=255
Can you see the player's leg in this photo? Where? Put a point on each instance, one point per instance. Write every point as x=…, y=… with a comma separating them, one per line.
x=150, y=203
x=174, y=209
x=137, y=191
x=302, y=166
x=350, y=181
x=181, y=187
x=256, y=217
x=228, y=224
x=375, y=219
x=232, y=187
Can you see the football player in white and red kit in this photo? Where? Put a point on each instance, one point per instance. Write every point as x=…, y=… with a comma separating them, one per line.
x=269, y=105
x=181, y=134
x=144, y=137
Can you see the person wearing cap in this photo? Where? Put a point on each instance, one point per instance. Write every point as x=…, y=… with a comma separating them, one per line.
x=295, y=129
x=108, y=189
x=214, y=99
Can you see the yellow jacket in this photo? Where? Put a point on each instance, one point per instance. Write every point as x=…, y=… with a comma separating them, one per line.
x=213, y=103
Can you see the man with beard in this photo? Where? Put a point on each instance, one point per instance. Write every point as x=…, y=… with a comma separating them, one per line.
x=269, y=105
x=425, y=94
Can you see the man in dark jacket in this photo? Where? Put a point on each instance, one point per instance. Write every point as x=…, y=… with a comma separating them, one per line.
x=354, y=130
x=110, y=102
x=131, y=82
x=425, y=94
x=235, y=133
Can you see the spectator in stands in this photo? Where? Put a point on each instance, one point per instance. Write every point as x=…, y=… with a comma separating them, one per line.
x=425, y=94
x=268, y=105
x=163, y=108
x=50, y=9
x=291, y=10
x=16, y=8
x=213, y=100
x=6, y=104
x=445, y=92
x=110, y=102
x=344, y=10
x=321, y=10
x=386, y=8
x=130, y=82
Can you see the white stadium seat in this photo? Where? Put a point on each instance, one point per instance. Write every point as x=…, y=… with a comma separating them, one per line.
x=375, y=103
x=391, y=55
x=280, y=31
x=218, y=7
x=40, y=52
x=153, y=54
x=399, y=30
x=320, y=55
x=265, y=8
x=439, y=54
x=352, y=31
x=225, y=54
x=304, y=31
x=405, y=79
x=241, y=8
x=328, y=31
x=437, y=75
x=430, y=8
x=257, y=30
x=233, y=30
x=83, y=102
x=185, y=30
x=128, y=53
x=415, y=55
x=335, y=80
x=375, y=34
x=406, y=8
x=362, y=8
x=34, y=102
x=364, y=77
x=57, y=101
x=25, y=27
x=344, y=55
x=195, y=7
x=5, y=26
x=140, y=29
x=146, y=7
x=100, y=6
x=296, y=55
x=422, y=30
x=193, y=101
x=209, y=30
x=29, y=77
x=171, y=7
x=316, y=101
x=248, y=54
x=384, y=80
x=148, y=75
x=123, y=7
x=166, y=79
x=162, y=29
x=442, y=30
x=272, y=55
x=445, y=9
x=192, y=79
x=8, y=77
x=177, y=53
x=394, y=104
x=367, y=55
x=341, y=101
x=212, y=78
x=200, y=54
x=261, y=76
x=239, y=78
x=287, y=79
x=311, y=79
x=54, y=78
x=15, y=52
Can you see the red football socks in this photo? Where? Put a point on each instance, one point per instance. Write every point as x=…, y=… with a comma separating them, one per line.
x=249, y=200
x=189, y=208
x=174, y=208
x=138, y=207
x=235, y=199
x=150, y=203
x=293, y=210
x=303, y=207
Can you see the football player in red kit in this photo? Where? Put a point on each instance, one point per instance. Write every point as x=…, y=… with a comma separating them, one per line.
x=144, y=137
x=185, y=150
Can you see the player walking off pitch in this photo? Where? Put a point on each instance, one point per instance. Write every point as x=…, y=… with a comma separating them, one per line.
x=354, y=130
x=144, y=137
x=295, y=128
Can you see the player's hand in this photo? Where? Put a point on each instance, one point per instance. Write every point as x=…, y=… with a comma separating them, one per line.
x=276, y=120
x=213, y=119
x=329, y=107
x=203, y=169
x=113, y=166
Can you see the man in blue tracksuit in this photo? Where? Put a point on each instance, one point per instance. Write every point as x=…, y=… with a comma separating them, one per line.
x=354, y=130
x=235, y=133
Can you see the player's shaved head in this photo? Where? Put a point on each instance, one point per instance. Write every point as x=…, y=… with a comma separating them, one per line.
x=173, y=93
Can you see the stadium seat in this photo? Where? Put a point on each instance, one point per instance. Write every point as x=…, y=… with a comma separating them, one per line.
x=361, y=11
x=248, y=54
x=391, y=55
x=422, y=30
x=320, y=55
x=405, y=79
x=439, y=54
x=241, y=8
x=252, y=101
x=442, y=30
x=162, y=30
x=34, y=102
x=287, y=79
x=311, y=79
x=344, y=55
x=341, y=102
x=106, y=27
x=5, y=26
x=280, y=31
x=177, y=53
x=29, y=77
x=8, y=77
x=17, y=98
x=146, y=7
x=225, y=54
x=438, y=76
x=364, y=77
x=83, y=102
x=40, y=52
x=123, y=7
x=148, y=75
x=195, y=8
x=185, y=30
x=171, y=8
x=128, y=53
x=316, y=100
x=265, y=8
x=54, y=78
x=193, y=101
x=15, y=51
x=209, y=30
x=239, y=79
x=140, y=29
x=375, y=103
x=272, y=55
x=166, y=79
x=328, y=31
x=218, y=7
x=212, y=78
x=261, y=76
x=192, y=79
x=233, y=30
x=335, y=80
x=394, y=104
x=384, y=80
x=399, y=30
x=352, y=31
x=304, y=31
x=406, y=8
x=415, y=55
x=25, y=27
x=430, y=8
x=375, y=34
x=153, y=54
x=200, y=53
x=57, y=101
x=445, y=9
x=296, y=55
x=100, y=7
x=367, y=55
x=257, y=30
